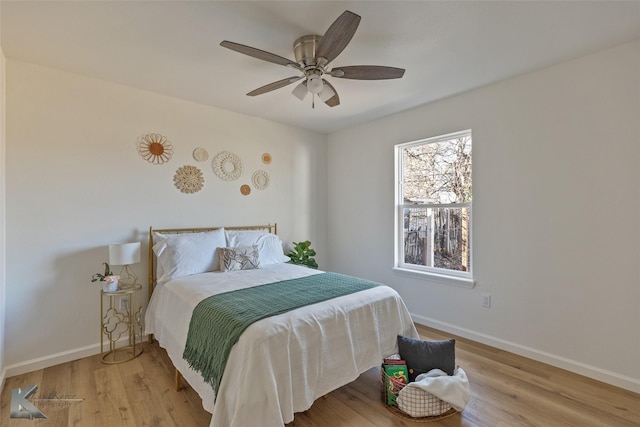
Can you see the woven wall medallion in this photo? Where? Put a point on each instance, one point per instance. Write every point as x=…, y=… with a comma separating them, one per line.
x=189, y=179
x=260, y=180
x=155, y=148
x=227, y=166
x=245, y=190
x=266, y=158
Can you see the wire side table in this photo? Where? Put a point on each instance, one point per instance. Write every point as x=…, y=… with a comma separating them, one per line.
x=120, y=322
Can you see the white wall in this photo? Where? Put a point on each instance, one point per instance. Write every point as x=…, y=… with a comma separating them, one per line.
x=556, y=213
x=75, y=183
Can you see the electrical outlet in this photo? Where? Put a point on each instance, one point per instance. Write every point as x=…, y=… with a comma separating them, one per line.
x=486, y=300
x=124, y=303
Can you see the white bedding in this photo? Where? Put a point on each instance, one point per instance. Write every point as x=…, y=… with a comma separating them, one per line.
x=281, y=364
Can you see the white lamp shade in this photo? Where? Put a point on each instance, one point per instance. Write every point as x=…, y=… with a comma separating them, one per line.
x=326, y=93
x=124, y=253
x=300, y=91
x=314, y=84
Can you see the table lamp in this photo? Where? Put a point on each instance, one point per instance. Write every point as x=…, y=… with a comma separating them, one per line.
x=125, y=254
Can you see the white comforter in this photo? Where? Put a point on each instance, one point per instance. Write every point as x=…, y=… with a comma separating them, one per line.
x=281, y=364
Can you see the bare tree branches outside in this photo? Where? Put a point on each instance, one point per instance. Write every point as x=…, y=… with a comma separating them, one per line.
x=435, y=202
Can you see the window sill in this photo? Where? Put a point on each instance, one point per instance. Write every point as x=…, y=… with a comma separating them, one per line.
x=441, y=279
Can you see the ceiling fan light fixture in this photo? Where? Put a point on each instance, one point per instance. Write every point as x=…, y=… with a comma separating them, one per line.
x=300, y=91
x=314, y=84
x=326, y=93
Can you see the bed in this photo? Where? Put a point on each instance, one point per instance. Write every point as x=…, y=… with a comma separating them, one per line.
x=280, y=364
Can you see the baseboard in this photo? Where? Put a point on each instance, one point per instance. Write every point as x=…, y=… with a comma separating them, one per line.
x=51, y=360
x=613, y=378
x=56, y=359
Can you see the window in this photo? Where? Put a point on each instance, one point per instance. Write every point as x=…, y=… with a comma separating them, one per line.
x=433, y=206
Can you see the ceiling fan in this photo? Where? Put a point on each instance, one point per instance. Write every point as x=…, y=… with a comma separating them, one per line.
x=313, y=54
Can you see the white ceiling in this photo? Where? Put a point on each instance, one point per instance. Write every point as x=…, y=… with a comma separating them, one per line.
x=172, y=47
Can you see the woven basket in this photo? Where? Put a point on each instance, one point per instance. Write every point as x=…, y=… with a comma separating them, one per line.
x=429, y=406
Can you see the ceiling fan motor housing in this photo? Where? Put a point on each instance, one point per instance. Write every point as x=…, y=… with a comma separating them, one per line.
x=304, y=49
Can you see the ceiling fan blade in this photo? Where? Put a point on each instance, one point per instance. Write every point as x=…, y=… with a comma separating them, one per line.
x=335, y=99
x=337, y=37
x=274, y=85
x=260, y=54
x=367, y=72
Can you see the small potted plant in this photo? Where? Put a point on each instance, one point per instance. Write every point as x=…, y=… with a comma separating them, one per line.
x=302, y=254
x=108, y=279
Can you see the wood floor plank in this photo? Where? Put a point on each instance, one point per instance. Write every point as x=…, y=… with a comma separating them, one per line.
x=83, y=386
x=506, y=391
x=155, y=409
x=115, y=408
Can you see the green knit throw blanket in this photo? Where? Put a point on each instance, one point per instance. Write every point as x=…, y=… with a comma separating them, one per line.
x=218, y=321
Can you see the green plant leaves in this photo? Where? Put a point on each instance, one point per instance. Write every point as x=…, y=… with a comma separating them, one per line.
x=302, y=254
x=100, y=277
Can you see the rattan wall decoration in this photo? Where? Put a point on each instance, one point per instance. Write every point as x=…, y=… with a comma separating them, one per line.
x=266, y=158
x=227, y=166
x=245, y=190
x=189, y=179
x=260, y=180
x=155, y=148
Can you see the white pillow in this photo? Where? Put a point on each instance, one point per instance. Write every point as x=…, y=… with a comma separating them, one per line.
x=157, y=238
x=184, y=254
x=269, y=245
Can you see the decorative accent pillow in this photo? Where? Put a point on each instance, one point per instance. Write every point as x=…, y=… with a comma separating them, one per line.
x=239, y=258
x=184, y=254
x=269, y=245
x=423, y=356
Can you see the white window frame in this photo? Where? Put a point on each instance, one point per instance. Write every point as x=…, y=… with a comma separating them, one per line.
x=434, y=274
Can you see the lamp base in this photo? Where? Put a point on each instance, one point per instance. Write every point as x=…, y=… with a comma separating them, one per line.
x=127, y=276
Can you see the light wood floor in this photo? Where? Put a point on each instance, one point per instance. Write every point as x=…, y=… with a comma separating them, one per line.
x=506, y=390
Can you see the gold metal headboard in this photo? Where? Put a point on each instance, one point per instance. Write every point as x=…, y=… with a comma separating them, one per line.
x=271, y=228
